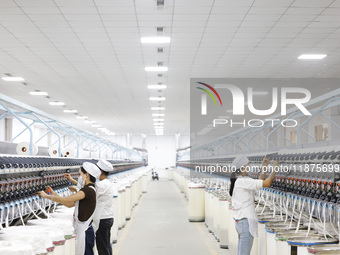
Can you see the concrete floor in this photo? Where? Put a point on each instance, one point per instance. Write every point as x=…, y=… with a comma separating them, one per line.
x=159, y=225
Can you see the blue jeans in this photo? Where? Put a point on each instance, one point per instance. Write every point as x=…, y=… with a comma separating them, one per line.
x=89, y=241
x=245, y=239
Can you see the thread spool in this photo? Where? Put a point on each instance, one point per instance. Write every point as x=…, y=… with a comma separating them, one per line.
x=23, y=149
x=53, y=152
x=68, y=152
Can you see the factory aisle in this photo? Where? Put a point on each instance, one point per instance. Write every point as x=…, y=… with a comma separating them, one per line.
x=160, y=225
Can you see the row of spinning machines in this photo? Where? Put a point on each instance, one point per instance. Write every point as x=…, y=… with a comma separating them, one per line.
x=22, y=177
x=301, y=208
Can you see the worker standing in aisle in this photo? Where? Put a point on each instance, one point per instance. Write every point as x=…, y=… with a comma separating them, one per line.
x=85, y=204
x=242, y=190
x=103, y=218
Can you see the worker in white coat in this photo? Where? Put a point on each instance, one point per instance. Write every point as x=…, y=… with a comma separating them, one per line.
x=84, y=202
x=103, y=218
x=242, y=190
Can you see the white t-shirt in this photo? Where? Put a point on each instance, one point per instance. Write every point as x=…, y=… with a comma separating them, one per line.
x=105, y=193
x=243, y=201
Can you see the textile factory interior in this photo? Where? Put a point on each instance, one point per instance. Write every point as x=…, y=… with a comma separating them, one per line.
x=144, y=127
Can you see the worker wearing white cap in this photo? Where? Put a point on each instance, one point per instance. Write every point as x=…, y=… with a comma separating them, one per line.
x=103, y=218
x=84, y=202
x=242, y=191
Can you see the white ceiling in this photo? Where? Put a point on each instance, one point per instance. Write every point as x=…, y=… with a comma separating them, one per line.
x=87, y=53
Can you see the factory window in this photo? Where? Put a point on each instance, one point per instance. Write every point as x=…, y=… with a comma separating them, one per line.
x=321, y=132
x=293, y=137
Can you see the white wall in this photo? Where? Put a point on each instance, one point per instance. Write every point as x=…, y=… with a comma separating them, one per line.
x=161, y=151
x=2, y=130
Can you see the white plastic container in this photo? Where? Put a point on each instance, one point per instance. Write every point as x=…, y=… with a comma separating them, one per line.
x=262, y=239
x=216, y=230
x=283, y=248
x=128, y=201
x=119, y=207
x=196, y=202
x=223, y=220
x=271, y=243
x=302, y=251
x=232, y=233
x=114, y=228
x=206, y=207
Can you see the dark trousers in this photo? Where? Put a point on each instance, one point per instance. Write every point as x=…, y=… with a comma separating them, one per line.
x=103, y=236
x=89, y=241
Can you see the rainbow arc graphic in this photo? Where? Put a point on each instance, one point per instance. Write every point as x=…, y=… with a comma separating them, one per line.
x=209, y=93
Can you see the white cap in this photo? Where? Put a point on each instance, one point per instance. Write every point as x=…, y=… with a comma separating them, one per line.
x=239, y=161
x=105, y=165
x=92, y=169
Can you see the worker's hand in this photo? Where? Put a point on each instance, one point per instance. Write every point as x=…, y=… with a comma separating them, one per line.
x=275, y=163
x=73, y=188
x=49, y=191
x=68, y=177
x=42, y=194
x=265, y=161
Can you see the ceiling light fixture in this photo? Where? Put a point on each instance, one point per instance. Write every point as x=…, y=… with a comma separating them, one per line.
x=96, y=125
x=38, y=93
x=90, y=121
x=57, y=103
x=156, y=39
x=11, y=78
x=158, y=119
x=81, y=117
x=157, y=98
x=156, y=86
x=70, y=111
x=156, y=68
x=260, y=93
x=157, y=108
x=312, y=56
x=158, y=114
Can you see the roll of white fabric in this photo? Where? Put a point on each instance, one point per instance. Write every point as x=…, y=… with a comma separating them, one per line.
x=53, y=152
x=68, y=152
x=23, y=149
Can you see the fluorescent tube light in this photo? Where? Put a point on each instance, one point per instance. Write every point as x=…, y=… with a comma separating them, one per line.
x=157, y=108
x=260, y=93
x=156, y=86
x=312, y=56
x=56, y=103
x=156, y=39
x=158, y=114
x=156, y=68
x=11, y=78
x=81, y=117
x=38, y=93
x=70, y=111
x=157, y=98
